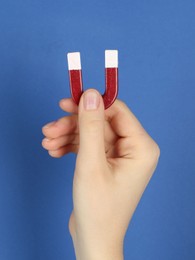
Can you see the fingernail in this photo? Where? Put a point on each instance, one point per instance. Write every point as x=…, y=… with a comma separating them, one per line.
x=46, y=139
x=49, y=124
x=91, y=100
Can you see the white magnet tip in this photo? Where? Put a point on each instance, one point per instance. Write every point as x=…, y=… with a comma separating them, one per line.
x=74, y=61
x=111, y=58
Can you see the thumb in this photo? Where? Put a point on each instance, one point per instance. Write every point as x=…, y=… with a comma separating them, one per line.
x=91, y=130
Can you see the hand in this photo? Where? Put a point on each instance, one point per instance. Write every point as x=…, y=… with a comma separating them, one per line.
x=116, y=159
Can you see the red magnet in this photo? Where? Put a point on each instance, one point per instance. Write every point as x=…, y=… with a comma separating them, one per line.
x=111, y=76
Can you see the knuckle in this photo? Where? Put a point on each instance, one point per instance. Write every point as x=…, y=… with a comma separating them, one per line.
x=53, y=145
x=155, y=151
x=151, y=151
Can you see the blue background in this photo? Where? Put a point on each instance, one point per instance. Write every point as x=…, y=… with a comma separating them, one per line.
x=156, y=43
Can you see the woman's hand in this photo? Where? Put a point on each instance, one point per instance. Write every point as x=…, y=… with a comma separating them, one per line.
x=116, y=159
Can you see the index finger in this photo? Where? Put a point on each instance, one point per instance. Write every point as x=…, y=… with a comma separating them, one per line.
x=122, y=120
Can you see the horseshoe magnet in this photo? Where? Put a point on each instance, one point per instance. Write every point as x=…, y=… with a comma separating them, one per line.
x=111, y=76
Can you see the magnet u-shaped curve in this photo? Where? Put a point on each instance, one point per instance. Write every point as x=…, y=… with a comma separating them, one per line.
x=111, y=76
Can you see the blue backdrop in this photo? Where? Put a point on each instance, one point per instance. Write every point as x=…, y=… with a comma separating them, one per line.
x=156, y=43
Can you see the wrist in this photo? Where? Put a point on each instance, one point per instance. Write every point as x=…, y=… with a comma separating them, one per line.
x=98, y=255
x=91, y=251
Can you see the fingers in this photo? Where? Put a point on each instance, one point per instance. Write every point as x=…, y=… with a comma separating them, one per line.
x=135, y=142
x=119, y=121
x=56, y=143
x=61, y=136
x=63, y=126
x=118, y=115
x=122, y=120
x=68, y=105
x=62, y=145
x=70, y=148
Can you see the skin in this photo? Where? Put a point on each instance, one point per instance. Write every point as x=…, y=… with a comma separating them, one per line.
x=116, y=158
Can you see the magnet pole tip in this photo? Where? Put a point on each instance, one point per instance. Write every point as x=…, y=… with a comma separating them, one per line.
x=74, y=61
x=111, y=58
